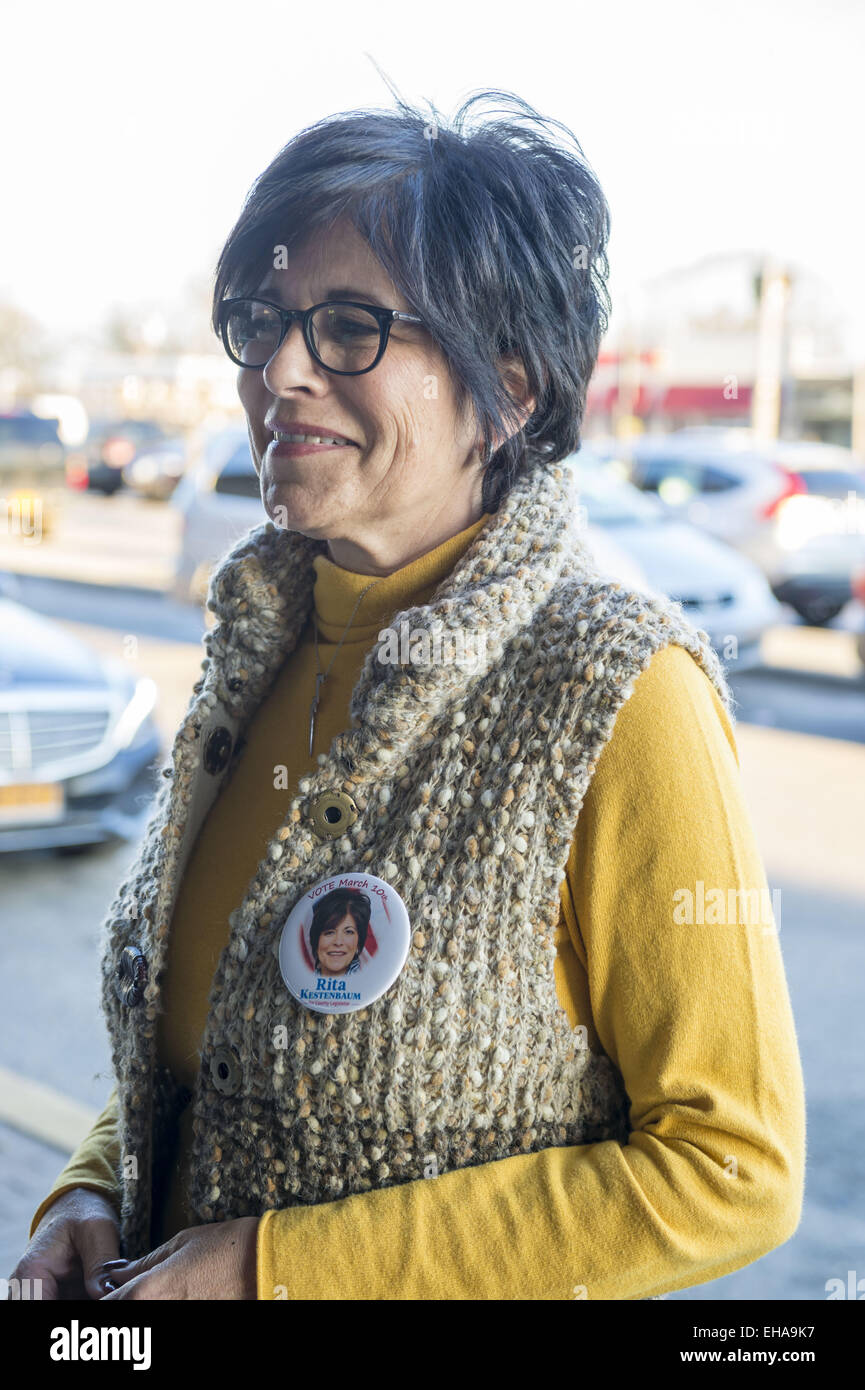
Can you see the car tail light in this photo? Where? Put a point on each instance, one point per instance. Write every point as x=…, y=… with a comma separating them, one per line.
x=77, y=475
x=792, y=485
x=857, y=584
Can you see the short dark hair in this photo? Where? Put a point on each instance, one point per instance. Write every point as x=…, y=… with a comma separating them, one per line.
x=494, y=233
x=332, y=908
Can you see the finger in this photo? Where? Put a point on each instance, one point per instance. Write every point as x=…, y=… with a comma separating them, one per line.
x=41, y=1283
x=98, y=1245
x=112, y=1293
x=48, y=1276
x=141, y=1287
x=128, y=1270
x=114, y=1277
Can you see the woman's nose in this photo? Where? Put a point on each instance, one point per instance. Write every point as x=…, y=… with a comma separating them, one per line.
x=292, y=364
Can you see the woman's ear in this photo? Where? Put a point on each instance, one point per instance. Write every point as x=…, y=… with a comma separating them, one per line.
x=513, y=374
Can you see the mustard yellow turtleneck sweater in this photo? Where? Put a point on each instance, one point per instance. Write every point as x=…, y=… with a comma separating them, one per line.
x=696, y=1017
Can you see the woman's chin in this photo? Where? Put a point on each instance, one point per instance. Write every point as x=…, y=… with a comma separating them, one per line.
x=291, y=510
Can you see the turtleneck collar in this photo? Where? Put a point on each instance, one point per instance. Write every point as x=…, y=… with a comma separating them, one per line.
x=336, y=590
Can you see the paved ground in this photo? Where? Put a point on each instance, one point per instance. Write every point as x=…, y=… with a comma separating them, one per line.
x=94, y=539
x=29, y=1170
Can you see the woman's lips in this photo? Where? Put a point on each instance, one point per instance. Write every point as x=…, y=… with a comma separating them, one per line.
x=288, y=450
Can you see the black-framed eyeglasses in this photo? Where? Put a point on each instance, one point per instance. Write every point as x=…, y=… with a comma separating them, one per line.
x=343, y=336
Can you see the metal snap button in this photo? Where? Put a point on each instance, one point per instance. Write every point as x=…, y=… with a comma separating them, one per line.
x=332, y=813
x=225, y=1071
x=131, y=976
x=217, y=750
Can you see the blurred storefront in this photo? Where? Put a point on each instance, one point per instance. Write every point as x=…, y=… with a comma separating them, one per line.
x=178, y=392
x=691, y=348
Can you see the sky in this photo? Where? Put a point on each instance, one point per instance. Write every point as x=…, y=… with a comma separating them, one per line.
x=132, y=133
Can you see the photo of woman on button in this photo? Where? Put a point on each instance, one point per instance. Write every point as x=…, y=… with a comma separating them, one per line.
x=414, y=306
x=340, y=923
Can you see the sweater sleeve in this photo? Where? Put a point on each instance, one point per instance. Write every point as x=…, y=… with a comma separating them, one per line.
x=94, y=1164
x=697, y=1018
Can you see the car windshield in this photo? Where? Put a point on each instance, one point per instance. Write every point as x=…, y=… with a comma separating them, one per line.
x=609, y=501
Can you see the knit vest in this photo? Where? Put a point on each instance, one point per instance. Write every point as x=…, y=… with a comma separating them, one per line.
x=467, y=777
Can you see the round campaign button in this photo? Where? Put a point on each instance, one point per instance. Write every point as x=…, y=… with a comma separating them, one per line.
x=344, y=943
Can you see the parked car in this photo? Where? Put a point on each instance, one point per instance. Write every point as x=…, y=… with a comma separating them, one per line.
x=612, y=560
x=776, y=505
x=219, y=498
x=157, y=469
x=818, y=539
x=721, y=591
x=30, y=450
x=78, y=744
x=32, y=472
x=110, y=445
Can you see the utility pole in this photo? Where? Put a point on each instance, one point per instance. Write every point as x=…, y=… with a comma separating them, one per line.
x=774, y=293
x=629, y=370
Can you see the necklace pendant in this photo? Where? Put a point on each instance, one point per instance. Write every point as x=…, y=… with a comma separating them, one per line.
x=312, y=711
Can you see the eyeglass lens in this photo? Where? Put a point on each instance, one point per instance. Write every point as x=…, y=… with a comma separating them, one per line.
x=345, y=338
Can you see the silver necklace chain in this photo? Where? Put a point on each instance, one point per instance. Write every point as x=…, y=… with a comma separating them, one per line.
x=321, y=677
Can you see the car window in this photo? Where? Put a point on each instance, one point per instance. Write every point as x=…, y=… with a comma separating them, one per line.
x=238, y=485
x=830, y=482
x=676, y=480
x=21, y=430
x=716, y=480
x=238, y=477
x=608, y=500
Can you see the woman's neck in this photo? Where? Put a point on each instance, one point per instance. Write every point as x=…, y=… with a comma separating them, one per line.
x=393, y=546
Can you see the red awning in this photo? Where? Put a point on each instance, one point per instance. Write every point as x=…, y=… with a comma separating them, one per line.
x=706, y=400
x=676, y=400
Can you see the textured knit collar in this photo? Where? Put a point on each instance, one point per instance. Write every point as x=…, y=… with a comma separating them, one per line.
x=262, y=596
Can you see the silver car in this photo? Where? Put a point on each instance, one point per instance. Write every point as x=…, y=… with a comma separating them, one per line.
x=721, y=591
x=219, y=499
x=794, y=508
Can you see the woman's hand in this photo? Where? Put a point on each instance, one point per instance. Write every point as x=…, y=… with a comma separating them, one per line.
x=78, y=1235
x=214, y=1261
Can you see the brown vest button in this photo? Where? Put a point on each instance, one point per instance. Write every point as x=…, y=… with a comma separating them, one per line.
x=225, y=1071
x=131, y=976
x=332, y=813
x=217, y=751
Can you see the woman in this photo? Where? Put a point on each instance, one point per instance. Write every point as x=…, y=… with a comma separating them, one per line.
x=555, y=1057
x=338, y=933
